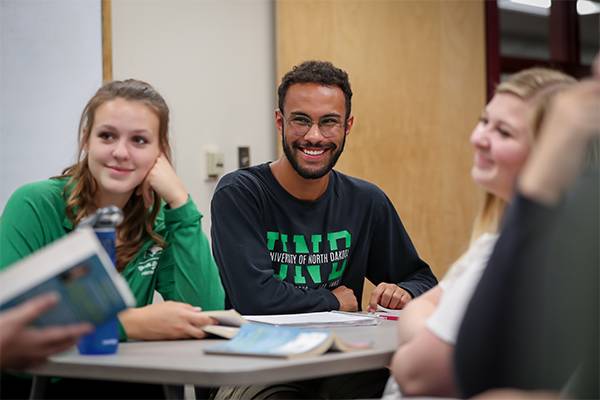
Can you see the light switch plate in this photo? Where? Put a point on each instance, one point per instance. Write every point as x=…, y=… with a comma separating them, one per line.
x=215, y=164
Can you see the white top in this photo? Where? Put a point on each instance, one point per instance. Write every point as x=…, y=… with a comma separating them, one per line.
x=458, y=286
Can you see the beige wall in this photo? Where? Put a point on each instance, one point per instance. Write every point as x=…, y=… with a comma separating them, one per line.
x=213, y=61
x=417, y=72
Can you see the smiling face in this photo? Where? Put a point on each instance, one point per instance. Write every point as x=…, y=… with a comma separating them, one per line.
x=122, y=147
x=313, y=155
x=502, y=140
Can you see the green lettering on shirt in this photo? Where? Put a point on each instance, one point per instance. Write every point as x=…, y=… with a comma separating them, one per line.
x=300, y=244
x=333, y=238
x=316, y=243
x=272, y=239
x=315, y=273
x=283, y=268
x=298, y=278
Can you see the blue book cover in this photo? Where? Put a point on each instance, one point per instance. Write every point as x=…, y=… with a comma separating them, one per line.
x=78, y=269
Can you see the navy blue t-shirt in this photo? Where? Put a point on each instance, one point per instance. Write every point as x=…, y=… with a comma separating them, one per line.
x=278, y=254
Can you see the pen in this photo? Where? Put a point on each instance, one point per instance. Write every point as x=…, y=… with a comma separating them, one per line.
x=388, y=317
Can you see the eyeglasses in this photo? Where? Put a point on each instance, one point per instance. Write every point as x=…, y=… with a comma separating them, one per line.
x=329, y=126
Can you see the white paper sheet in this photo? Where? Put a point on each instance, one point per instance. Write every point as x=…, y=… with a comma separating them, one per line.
x=325, y=319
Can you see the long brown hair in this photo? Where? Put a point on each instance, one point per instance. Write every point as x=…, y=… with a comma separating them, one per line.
x=535, y=86
x=81, y=187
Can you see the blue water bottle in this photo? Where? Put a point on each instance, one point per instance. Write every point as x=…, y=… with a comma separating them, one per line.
x=105, y=338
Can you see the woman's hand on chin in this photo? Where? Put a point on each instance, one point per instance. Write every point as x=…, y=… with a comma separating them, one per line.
x=164, y=181
x=164, y=321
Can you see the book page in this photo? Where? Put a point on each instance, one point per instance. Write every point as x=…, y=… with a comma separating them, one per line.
x=317, y=319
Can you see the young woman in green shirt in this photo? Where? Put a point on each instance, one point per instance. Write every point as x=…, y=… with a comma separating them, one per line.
x=124, y=160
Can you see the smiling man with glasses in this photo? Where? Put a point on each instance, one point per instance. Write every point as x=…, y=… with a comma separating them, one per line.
x=294, y=235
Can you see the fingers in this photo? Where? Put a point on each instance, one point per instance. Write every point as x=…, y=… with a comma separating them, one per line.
x=388, y=295
x=165, y=182
x=194, y=322
x=58, y=336
x=346, y=298
x=194, y=332
x=199, y=319
x=34, y=345
x=191, y=321
x=375, y=296
x=25, y=313
x=404, y=298
x=147, y=193
x=399, y=298
x=381, y=295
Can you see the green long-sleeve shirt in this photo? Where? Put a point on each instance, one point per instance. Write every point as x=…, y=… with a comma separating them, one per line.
x=185, y=271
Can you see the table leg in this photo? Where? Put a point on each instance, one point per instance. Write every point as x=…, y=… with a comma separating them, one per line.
x=38, y=387
x=173, y=392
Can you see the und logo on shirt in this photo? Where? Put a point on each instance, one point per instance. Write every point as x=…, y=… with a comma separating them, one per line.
x=321, y=265
x=150, y=261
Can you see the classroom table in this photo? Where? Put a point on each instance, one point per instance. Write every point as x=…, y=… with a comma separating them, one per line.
x=181, y=362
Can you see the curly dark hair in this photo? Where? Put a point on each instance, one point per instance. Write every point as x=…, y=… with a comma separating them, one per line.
x=321, y=72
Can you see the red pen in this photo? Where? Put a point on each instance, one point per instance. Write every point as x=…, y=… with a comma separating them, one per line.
x=388, y=317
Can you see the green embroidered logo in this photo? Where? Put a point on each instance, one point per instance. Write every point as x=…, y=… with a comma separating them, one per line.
x=149, y=262
x=321, y=265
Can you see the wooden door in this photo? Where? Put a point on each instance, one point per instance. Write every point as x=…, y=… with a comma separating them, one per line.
x=417, y=71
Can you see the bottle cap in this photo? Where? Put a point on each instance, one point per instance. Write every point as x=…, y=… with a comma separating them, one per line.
x=106, y=217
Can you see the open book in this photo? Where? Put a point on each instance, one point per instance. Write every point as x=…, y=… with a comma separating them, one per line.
x=283, y=342
x=78, y=269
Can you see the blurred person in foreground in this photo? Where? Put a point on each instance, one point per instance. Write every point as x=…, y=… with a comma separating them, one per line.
x=502, y=140
x=531, y=328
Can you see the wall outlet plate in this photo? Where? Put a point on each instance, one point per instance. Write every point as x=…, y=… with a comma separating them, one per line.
x=243, y=156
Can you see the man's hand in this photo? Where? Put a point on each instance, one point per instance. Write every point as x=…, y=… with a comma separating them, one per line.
x=389, y=295
x=22, y=346
x=346, y=298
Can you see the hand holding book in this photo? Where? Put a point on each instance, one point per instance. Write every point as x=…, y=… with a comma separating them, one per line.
x=23, y=346
x=78, y=269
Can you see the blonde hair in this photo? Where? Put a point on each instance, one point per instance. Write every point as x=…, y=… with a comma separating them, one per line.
x=81, y=187
x=536, y=86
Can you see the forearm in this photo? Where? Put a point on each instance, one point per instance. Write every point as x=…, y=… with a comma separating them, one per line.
x=194, y=273
x=132, y=322
x=413, y=317
x=423, y=366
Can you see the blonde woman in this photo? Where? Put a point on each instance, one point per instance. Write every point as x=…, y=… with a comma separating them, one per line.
x=502, y=141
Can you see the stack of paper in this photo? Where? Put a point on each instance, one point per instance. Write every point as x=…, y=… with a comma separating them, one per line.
x=327, y=319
